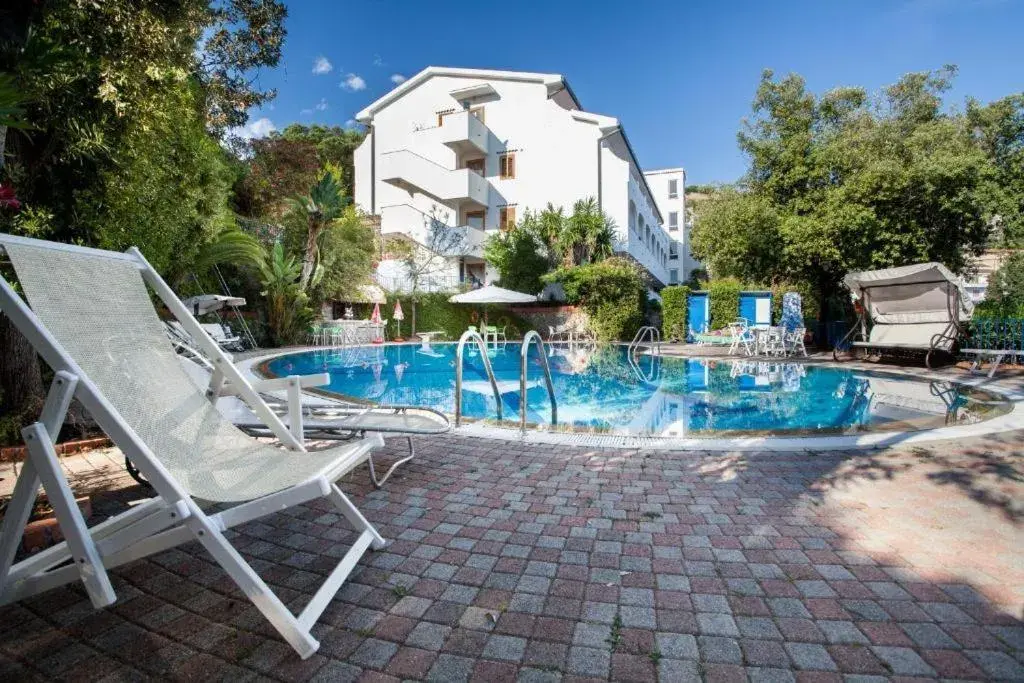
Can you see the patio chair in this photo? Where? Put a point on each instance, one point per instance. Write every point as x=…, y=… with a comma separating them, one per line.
x=109, y=351
x=793, y=342
x=741, y=337
x=224, y=337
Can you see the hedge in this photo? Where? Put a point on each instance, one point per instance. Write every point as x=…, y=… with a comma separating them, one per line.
x=724, y=301
x=612, y=292
x=808, y=299
x=435, y=312
x=674, y=303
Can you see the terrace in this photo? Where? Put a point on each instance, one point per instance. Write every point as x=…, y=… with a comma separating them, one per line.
x=539, y=562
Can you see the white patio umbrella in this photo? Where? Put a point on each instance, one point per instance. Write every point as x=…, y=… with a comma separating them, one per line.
x=492, y=295
x=208, y=303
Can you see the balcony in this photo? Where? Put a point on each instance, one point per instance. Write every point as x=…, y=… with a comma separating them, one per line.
x=462, y=240
x=463, y=133
x=414, y=173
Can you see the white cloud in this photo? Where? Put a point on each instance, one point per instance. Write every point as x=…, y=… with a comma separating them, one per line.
x=378, y=61
x=322, y=65
x=353, y=83
x=397, y=79
x=260, y=128
x=321, y=105
x=351, y=123
x=305, y=112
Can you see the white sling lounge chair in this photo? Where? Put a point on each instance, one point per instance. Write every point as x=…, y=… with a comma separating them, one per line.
x=110, y=351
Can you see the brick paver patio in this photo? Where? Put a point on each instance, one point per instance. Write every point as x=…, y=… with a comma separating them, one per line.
x=550, y=563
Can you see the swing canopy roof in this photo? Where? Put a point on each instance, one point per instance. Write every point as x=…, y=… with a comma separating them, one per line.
x=492, y=295
x=918, y=293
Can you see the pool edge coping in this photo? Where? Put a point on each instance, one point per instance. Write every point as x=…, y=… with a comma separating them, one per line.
x=1011, y=421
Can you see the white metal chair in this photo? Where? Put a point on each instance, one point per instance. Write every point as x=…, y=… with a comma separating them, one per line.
x=109, y=351
x=741, y=337
x=793, y=342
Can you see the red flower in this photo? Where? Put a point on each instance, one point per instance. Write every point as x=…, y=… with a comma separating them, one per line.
x=7, y=198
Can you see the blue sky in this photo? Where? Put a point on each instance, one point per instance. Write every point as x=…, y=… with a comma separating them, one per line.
x=679, y=75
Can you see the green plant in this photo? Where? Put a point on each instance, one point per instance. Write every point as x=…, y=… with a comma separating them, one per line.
x=612, y=292
x=587, y=234
x=518, y=255
x=435, y=312
x=288, y=314
x=674, y=303
x=317, y=210
x=723, y=301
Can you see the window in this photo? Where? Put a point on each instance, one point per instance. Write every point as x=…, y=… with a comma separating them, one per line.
x=477, y=112
x=506, y=217
x=673, y=276
x=507, y=165
x=673, y=250
x=673, y=220
x=476, y=219
x=673, y=189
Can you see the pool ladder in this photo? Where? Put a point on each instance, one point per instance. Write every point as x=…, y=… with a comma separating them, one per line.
x=641, y=336
x=532, y=335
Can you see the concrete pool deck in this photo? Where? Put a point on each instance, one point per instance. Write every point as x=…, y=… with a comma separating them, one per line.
x=536, y=562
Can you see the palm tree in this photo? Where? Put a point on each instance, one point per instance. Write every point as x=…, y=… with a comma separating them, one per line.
x=324, y=204
x=588, y=234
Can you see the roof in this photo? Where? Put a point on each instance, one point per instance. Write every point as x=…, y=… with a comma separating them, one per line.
x=909, y=294
x=656, y=171
x=554, y=83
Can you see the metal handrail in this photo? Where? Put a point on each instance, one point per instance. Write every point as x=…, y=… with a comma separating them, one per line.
x=647, y=330
x=523, y=351
x=466, y=336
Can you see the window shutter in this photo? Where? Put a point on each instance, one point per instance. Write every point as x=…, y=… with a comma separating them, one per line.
x=511, y=165
x=511, y=217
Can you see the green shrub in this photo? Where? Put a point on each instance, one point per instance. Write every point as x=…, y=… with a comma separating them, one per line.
x=674, y=304
x=612, y=292
x=724, y=301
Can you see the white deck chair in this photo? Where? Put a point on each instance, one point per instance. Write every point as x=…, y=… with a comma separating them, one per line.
x=110, y=351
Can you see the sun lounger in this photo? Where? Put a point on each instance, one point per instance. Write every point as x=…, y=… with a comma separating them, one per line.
x=109, y=350
x=331, y=420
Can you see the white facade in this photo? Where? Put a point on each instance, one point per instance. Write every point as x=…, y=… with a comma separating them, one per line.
x=473, y=149
x=669, y=188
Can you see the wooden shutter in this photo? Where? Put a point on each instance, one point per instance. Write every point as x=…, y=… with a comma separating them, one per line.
x=507, y=218
x=507, y=165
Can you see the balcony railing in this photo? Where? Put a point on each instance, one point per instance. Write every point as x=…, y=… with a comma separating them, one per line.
x=427, y=283
x=409, y=170
x=464, y=133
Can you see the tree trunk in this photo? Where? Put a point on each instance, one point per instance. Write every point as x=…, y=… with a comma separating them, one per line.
x=21, y=381
x=309, y=256
x=412, y=320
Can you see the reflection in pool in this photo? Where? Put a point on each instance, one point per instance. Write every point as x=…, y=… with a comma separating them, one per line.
x=602, y=389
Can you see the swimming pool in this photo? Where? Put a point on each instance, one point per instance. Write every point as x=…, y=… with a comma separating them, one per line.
x=602, y=390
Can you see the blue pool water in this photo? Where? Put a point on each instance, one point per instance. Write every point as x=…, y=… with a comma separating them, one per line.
x=602, y=389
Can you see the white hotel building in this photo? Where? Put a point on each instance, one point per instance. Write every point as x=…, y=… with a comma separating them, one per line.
x=669, y=188
x=476, y=148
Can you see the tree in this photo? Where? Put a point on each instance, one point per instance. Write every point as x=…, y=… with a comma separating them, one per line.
x=116, y=95
x=1004, y=296
x=317, y=210
x=518, y=254
x=999, y=130
x=421, y=261
x=845, y=182
x=587, y=235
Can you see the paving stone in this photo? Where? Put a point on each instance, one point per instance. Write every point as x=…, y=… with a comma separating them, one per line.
x=508, y=648
x=903, y=661
x=930, y=636
x=684, y=671
x=428, y=636
x=450, y=668
x=717, y=624
x=676, y=645
x=718, y=649
x=997, y=664
x=770, y=675
x=589, y=661
x=787, y=607
x=758, y=627
x=711, y=603
x=373, y=653
x=842, y=632
x=764, y=653
x=810, y=657
x=638, y=617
